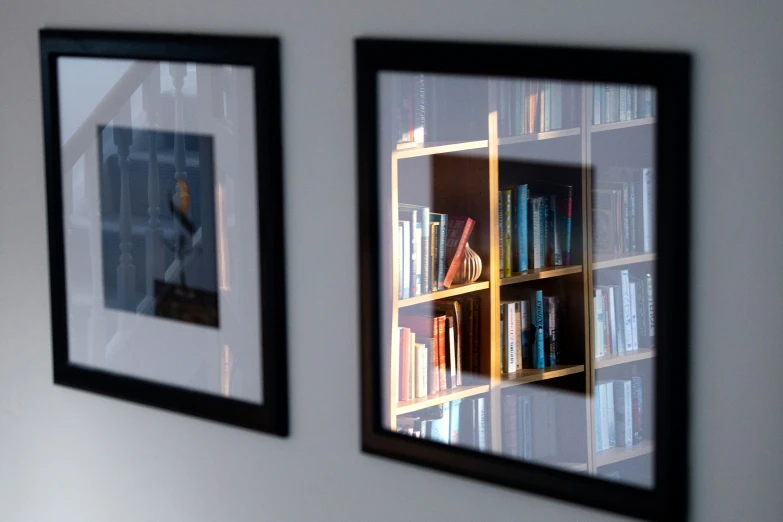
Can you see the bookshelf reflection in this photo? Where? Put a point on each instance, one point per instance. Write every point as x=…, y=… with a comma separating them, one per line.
x=545, y=354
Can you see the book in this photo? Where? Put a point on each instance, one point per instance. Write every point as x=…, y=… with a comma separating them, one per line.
x=554, y=248
x=509, y=442
x=452, y=308
x=520, y=213
x=610, y=317
x=566, y=209
x=426, y=328
x=535, y=233
x=550, y=330
x=422, y=370
x=424, y=256
x=526, y=337
x=443, y=224
x=637, y=405
x=411, y=215
x=623, y=413
x=411, y=366
x=431, y=344
x=545, y=232
x=634, y=319
x=501, y=235
x=508, y=361
x=507, y=213
x=648, y=204
x=459, y=232
x=537, y=318
x=599, y=435
x=642, y=321
x=527, y=428
x=481, y=416
x=442, y=351
x=441, y=427
x=650, y=308
x=598, y=323
x=620, y=279
x=604, y=417
x=433, y=281
x=451, y=355
x=518, y=335
x=556, y=118
x=610, y=414
x=454, y=435
x=606, y=239
x=404, y=340
x=597, y=109
x=405, y=265
x=399, y=259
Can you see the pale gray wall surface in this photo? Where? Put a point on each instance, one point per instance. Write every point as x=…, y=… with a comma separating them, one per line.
x=71, y=456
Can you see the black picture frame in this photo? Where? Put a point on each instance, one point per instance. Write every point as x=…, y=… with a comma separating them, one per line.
x=670, y=73
x=262, y=55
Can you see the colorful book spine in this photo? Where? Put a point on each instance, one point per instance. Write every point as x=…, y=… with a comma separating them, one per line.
x=566, y=209
x=650, y=308
x=460, y=229
x=518, y=335
x=555, y=246
x=511, y=337
x=637, y=405
x=623, y=412
x=551, y=333
x=442, y=350
x=610, y=414
x=535, y=232
x=521, y=216
x=443, y=226
x=422, y=370
x=507, y=214
x=538, y=306
x=501, y=223
x=481, y=415
x=524, y=307
x=648, y=204
x=634, y=319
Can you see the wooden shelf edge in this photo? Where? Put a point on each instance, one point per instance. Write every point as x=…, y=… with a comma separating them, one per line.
x=623, y=358
x=539, y=136
x=431, y=149
x=443, y=294
x=622, y=261
x=638, y=122
x=541, y=273
x=535, y=375
x=459, y=392
x=615, y=455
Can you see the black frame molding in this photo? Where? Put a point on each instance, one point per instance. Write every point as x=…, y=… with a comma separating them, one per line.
x=670, y=74
x=263, y=55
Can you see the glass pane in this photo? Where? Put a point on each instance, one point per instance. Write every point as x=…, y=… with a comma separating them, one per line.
x=516, y=225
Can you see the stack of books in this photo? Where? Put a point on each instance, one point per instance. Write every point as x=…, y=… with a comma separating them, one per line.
x=436, y=348
x=623, y=211
x=461, y=422
x=532, y=106
x=528, y=421
x=618, y=413
x=534, y=227
x=430, y=249
x=529, y=332
x=624, y=312
x=617, y=102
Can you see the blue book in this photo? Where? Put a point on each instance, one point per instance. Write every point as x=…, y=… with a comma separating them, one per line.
x=440, y=428
x=521, y=220
x=537, y=305
x=455, y=408
x=443, y=223
x=544, y=230
x=599, y=444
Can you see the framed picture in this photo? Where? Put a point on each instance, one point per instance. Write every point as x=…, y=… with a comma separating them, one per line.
x=524, y=215
x=164, y=191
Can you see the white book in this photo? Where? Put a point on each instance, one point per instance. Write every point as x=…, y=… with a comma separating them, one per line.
x=526, y=337
x=650, y=309
x=623, y=413
x=411, y=377
x=628, y=328
x=421, y=370
x=604, y=417
x=417, y=253
x=453, y=355
x=610, y=414
x=634, y=324
x=482, y=424
x=647, y=205
x=518, y=334
x=511, y=361
x=557, y=106
x=598, y=305
x=612, y=318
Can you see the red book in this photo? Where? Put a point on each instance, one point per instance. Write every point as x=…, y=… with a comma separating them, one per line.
x=458, y=234
x=404, y=364
x=442, y=348
x=425, y=328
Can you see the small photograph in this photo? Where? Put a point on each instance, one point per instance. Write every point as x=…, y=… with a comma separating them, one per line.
x=158, y=247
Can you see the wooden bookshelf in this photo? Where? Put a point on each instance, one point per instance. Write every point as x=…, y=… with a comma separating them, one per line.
x=603, y=261
x=529, y=375
x=615, y=455
x=540, y=273
x=622, y=358
x=467, y=185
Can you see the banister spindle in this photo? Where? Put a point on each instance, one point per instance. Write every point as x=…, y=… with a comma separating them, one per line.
x=150, y=96
x=126, y=272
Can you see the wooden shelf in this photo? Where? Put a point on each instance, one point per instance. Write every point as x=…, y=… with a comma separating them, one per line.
x=540, y=273
x=622, y=358
x=443, y=294
x=460, y=392
x=567, y=466
x=605, y=261
x=428, y=149
x=615, y=455
x=639, y=122
x=538, y=136
x=534, y=375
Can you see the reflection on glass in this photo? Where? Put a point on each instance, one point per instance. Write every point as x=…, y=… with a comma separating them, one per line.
x=518, y=248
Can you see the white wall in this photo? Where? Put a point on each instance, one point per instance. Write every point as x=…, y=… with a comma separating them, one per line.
x=71, y=456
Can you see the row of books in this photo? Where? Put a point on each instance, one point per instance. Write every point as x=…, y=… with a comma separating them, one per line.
x=623, y=211
x=529, y=335
x=430, y=248
x=624, y=317
x=618, y=413
x=461, y=422
x=531, y=106
x=617, y=102
x=529, y=426
x=437, y=108
x=534, y=227
x=435, y=348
